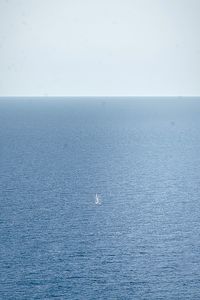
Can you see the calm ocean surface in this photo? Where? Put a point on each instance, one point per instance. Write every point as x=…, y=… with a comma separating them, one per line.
x=142, y=157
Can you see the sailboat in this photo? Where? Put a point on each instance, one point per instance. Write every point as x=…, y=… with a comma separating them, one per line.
x=97, y=199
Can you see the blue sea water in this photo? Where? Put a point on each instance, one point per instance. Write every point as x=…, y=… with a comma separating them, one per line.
x=142, y=157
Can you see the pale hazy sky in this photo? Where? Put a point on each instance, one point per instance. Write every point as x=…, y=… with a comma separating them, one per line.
x=99, y=47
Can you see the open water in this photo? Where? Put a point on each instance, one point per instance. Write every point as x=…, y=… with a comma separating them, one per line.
x=142, y=157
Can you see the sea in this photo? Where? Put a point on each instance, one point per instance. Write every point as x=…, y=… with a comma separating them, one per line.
x=141, y=157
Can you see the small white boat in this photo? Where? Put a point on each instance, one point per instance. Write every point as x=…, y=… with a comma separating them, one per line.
x=97, y=199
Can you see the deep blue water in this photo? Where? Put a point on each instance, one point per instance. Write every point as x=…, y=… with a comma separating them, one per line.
x=142, y=157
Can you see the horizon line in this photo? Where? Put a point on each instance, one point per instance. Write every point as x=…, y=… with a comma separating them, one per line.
x=103, y=96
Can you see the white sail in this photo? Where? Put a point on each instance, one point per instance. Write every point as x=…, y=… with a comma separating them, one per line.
x=97, y=200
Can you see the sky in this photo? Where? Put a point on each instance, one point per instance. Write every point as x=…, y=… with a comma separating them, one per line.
x=99, y=47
